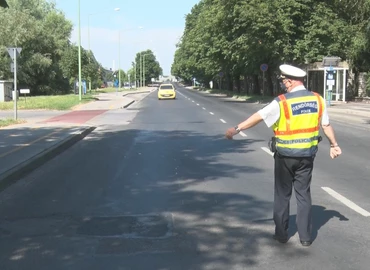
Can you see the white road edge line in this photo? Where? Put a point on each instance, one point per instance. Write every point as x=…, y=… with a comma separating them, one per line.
x=211, y=113
x=267, y=151
x=346, y=202
x=242, y=134
x=223, y=121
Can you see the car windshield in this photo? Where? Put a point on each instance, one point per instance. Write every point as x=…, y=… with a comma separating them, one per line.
x=166, y=87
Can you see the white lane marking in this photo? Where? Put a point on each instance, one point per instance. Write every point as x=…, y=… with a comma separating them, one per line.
x=197, y=104
x=211, y=113
x=242, y=134
x=223, y=121
x=193, y=101
x=347, y=202
x=203, y=108
x=267, y=151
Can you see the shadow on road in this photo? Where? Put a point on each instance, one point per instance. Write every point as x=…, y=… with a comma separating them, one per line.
x=58, y=218
x=320, y=216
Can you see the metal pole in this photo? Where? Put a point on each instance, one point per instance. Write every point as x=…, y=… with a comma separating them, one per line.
x=88, y=32
x=79, y=52
x=263, y=84
x=144, y=69
x=15, y=83
x=140, y=71
x=88, y=29
x=135, y=74
x=119, y=60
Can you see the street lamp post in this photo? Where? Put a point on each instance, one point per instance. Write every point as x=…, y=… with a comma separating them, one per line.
x=119, y=52
x=119, y=60
x=144, y=68
x=79, y=51
x=88, y=35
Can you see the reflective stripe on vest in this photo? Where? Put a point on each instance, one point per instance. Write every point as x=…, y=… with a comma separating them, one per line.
x=297, y=130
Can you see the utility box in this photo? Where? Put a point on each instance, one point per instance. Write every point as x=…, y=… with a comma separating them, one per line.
x=6, y=91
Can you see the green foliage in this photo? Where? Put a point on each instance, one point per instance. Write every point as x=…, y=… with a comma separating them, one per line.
x=48, y=63
x=237, y=36
x=147, y=64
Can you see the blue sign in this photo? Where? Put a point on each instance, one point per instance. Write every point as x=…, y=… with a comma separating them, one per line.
x=304, y=108
x=84, y=87
x=264, y=67
x=221, y=74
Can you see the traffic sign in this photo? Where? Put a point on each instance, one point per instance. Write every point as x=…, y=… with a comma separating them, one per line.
x=221, y=74
x=11, y=52
x=24, y=91
x=264, y=67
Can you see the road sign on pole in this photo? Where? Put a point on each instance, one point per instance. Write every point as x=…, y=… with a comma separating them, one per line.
x=13, y=53
x=264, y=67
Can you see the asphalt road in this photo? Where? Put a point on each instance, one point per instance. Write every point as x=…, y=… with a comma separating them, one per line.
x=157, y=186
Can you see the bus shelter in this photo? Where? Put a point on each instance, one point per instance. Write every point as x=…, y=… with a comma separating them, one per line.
x=329, y=78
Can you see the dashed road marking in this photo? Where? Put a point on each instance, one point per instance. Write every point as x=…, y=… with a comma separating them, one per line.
x=242, y=134
x=223, y=121
x=203, y=108
x=197, y=104
x=211, y=113
x=346, y=202
x=267, y=151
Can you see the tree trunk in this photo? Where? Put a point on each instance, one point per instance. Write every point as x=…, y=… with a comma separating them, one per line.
x=245, y=84
x=229, y=83
x=237, y=84
x=268, y=84
x=256, y=88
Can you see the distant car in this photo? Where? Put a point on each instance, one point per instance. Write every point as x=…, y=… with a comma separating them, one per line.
x=166, y=91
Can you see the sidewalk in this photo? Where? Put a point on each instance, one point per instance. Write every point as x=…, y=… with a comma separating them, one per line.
x=336, y=108
x=25, y=147
x=350, y=108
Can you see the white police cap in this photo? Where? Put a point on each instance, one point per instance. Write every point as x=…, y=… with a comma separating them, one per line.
x=291, y=71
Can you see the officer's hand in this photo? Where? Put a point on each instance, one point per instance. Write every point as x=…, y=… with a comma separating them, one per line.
x=335, y=152
x=230, y=133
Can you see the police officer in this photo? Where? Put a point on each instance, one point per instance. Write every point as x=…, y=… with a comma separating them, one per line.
x=295, y=119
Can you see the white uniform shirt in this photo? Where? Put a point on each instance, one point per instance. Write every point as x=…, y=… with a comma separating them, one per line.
x=271, y=113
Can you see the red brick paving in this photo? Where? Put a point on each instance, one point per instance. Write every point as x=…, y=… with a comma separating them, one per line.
x=76, y=117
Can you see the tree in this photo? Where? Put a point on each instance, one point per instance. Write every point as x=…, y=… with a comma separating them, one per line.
x=149, y=66
x=43, y=33
x=237, y=36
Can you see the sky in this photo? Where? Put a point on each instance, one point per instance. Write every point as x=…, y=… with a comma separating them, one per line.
x=138, y=25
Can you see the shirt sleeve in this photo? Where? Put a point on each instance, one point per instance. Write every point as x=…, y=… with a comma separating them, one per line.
x=325, y=116
x=270, y=113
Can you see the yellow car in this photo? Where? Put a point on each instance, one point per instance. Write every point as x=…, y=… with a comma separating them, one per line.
x=166, y=91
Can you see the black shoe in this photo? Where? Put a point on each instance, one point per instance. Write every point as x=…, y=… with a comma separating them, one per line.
x=306, y=243
x=282, y=241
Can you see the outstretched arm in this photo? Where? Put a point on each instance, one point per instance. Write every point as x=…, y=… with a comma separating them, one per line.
x=335, y=150
x=250, y=122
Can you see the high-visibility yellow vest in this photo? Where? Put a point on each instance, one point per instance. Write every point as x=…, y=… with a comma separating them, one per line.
x=297, y=130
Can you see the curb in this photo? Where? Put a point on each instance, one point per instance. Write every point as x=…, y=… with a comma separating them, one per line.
x=349, y=111
x=138, y=92
x=128, y=104
x=133, y=101
x=14, y=174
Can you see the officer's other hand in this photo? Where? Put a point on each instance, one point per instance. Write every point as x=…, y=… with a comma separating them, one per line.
x=230, y=133
x=335, y=152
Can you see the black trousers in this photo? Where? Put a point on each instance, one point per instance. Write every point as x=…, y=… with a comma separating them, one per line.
x=289, y=172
